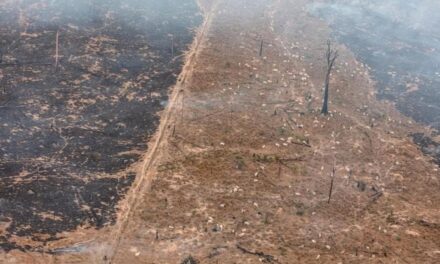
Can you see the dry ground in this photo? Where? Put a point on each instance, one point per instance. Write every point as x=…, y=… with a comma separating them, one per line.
x=239, y=171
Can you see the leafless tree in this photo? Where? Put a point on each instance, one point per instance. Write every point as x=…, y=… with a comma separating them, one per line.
x=331, y=184
x=331, y=56
x=57, y=38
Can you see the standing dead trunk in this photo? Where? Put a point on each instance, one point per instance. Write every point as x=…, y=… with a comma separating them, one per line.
x=331, y=56
x=172, y=47
x=331, y=184
x=57, y=37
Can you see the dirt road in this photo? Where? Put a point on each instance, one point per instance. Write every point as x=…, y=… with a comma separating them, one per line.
x=166, y=129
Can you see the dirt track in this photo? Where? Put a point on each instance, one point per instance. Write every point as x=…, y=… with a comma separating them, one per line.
x=165, y=130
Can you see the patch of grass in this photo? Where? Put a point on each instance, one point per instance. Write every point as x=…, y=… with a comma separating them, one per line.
x=282, y=131
x=168, y=166
x=240, y=164
x=297, y=169
x=287, y=132
x=265, y=158
x=301, y=138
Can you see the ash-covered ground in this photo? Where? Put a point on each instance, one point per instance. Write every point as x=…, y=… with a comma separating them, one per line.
x=68, y=134
x=400, y=42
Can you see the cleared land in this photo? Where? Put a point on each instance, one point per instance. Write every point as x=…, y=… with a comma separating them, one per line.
x=239, y=170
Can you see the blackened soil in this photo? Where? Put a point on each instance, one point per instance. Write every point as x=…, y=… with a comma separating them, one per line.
x=66, y=131
x=428, y=146
x=399, y=40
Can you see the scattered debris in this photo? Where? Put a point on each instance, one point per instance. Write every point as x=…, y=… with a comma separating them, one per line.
x=266, y=258
x=190, y=260
x=361, y=185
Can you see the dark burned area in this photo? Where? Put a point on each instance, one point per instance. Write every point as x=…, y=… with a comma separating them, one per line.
x=428, y=146
x=404, y=56
x=69, y=133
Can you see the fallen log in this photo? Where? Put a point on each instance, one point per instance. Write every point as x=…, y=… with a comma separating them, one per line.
x=266, y=258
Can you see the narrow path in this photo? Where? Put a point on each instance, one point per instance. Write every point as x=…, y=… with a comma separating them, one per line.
x=169, y=116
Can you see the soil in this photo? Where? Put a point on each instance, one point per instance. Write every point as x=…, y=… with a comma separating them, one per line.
x=401, y=52
x=71, y=133
x=240, y=167
x=403, y=55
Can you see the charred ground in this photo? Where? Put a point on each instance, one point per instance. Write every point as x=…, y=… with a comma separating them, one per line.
x=400, y=45
x=69, y=133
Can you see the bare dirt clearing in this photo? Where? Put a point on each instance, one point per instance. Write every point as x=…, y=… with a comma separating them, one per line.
x=245, y=173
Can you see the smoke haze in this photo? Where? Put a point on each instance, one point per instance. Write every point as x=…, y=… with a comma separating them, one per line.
x=400, y=41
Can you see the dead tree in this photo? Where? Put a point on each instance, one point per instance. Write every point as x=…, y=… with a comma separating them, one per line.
x=57, y=37
x=172, y=46
x=331, y=184
x=331, y=56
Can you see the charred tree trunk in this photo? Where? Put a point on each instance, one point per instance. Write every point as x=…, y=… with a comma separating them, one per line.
x=172, y=47
x=331, y=184
x=324, y=109
x=57, y=42
x=331, y=56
